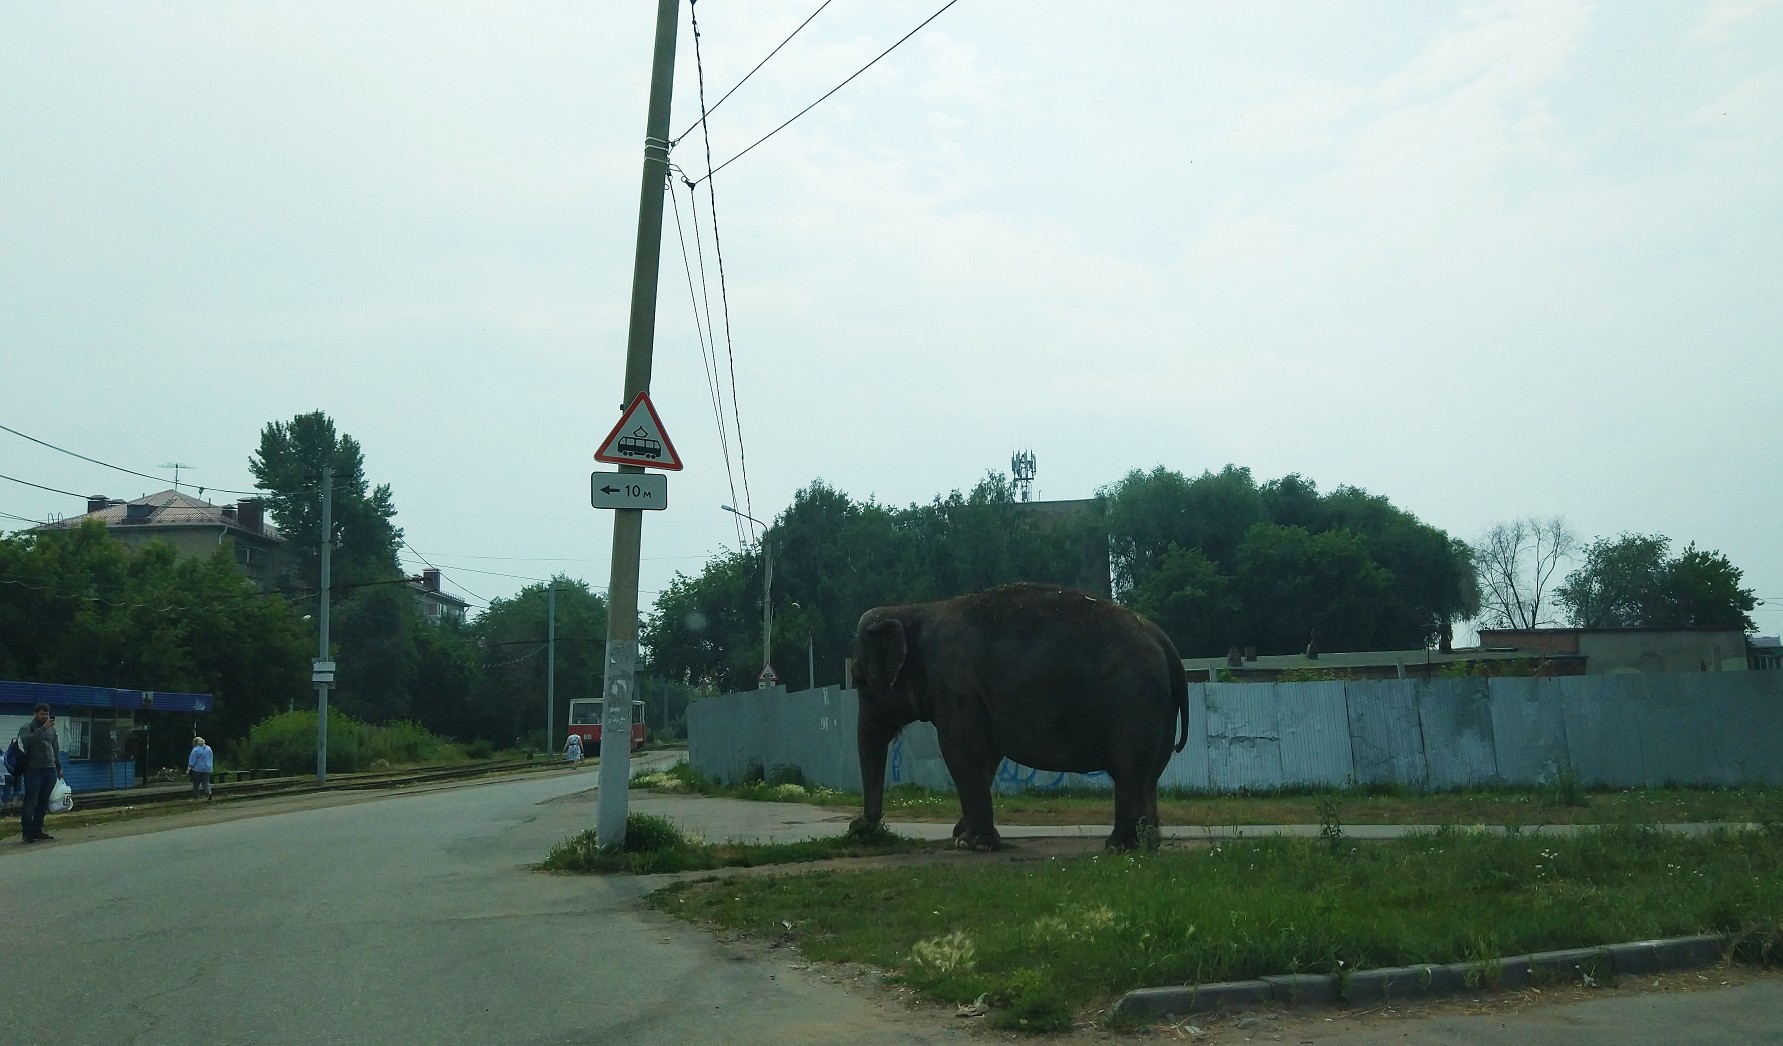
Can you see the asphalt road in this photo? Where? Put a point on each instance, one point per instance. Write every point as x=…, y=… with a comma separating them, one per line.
x=412, y=918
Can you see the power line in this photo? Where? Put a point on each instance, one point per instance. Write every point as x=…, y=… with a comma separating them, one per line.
x=491, y=573
x=25, y=519
x=696, y=34
x=120, y=468
x=39, y=486
x=454, y=584
x=708, y=356
x=826, y=94
x=718, y=252
x=546, y=559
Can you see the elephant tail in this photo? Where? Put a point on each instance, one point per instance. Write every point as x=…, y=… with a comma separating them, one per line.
x=1179, y=689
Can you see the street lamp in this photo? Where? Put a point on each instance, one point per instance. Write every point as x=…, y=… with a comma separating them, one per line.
x=767, y=677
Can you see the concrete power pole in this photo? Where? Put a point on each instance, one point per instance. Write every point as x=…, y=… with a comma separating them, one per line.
x=628, y=523
x=551, y=664
x=322, y=622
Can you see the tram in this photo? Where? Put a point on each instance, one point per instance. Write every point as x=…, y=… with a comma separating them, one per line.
x=585, y=722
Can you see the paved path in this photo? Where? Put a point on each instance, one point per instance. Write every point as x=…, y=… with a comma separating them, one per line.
x=412, y=918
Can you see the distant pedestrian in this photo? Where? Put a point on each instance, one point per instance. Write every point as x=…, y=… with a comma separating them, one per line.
x=41, y=768
x=572, y=750
x=199, y=765
x=11, y=767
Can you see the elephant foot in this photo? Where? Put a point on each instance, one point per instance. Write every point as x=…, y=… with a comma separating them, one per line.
x=1144, y=835
x=862, y=825
x=981, y=842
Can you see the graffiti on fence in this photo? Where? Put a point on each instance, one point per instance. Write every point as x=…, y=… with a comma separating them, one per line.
x=896, y=759
x=1013, y=775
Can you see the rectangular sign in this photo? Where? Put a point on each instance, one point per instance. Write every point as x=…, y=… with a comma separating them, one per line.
x=645, y=490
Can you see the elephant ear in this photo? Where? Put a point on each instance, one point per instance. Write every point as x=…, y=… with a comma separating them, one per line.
x=882, y=642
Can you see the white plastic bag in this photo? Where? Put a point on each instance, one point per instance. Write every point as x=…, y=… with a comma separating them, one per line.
x=61, y=797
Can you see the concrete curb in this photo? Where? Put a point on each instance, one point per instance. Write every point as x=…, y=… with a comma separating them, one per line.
x=1403, y=983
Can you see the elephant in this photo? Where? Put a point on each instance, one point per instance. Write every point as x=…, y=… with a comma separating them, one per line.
x=1051, y=677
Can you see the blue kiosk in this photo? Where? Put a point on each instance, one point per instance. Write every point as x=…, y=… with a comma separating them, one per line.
x=102, y=729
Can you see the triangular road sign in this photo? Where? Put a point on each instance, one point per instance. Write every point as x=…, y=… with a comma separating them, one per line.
x=639, y=439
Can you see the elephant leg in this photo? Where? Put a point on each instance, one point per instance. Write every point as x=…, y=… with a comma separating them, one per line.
x=972, y=779
x=1129, y=807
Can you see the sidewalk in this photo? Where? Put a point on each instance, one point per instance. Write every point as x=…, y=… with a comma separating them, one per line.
x=718, y=820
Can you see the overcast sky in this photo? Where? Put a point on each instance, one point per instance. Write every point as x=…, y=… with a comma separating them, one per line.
x=1486, y=259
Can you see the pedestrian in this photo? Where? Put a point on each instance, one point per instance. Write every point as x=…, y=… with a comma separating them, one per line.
x=42, y=768
x=10, y=769
x=198, y=767
x=572, y=750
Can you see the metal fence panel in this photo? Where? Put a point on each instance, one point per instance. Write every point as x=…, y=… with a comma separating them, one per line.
x=1314, y=722
x=1243, y=745
x=1384, y=732
x=1529, y=728
x=1187, y=769
x=1602, y=736
x=1455, y=718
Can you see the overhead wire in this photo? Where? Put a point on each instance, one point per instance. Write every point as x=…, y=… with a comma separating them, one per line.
x=703, y=331
x=696, y=43
x=718, y=253
x=39, y=486
x=450, y=581
x=120, y=468
x=676, y=140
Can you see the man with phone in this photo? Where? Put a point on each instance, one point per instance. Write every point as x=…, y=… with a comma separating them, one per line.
x=41, y=769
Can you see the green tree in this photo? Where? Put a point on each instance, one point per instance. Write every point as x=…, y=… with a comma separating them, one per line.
x=77, y=606
x=1292, y=585
x=1192, y=601
x=1630, y=581
x=376, y=633
x=1620, y=583
x=289, y=466
x=507, y=697
x=834, y=558
x=1703, y=591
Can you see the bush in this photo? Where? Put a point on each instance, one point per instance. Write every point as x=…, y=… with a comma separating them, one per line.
x=786, y=773
x=481, y=748
x=288, y=742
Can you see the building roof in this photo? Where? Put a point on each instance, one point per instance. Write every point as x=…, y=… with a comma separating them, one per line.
x=170, y=508
x=1363, y=659
x=68, y=695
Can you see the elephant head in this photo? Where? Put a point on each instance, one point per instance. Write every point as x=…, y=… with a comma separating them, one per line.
x=887, y=683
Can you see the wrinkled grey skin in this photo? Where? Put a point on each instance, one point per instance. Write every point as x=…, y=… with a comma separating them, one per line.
x=1050, y=677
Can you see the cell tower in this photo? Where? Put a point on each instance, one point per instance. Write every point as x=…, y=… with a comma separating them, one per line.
x=1021, y=466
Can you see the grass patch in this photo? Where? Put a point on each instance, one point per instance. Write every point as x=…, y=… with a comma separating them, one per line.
x=1046, y=940
x=655, y=844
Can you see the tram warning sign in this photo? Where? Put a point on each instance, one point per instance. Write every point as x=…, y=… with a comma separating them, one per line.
x=639, y=439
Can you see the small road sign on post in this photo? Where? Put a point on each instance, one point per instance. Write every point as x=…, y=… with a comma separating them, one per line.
x=639, y=439
x=645, y=490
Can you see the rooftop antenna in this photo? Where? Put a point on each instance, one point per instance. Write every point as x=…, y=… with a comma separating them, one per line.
x=176, y=466
x=1021, y=466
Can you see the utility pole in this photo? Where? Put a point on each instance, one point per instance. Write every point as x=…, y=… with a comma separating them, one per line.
x=628, y=523
x=322, y=621
x=551, y=664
